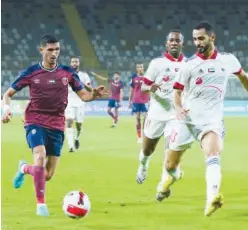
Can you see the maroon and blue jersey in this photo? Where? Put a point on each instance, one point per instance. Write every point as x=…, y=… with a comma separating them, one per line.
x=48, y=91
x=115, y=89
x=139, y=97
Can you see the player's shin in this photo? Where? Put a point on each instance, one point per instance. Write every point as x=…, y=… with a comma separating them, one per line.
x=213, y=176
x=70, y=137
x=39, y=183
x=144, y=160
x=79, y=130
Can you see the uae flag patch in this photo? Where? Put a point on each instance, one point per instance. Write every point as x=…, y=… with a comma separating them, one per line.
x=211, y=70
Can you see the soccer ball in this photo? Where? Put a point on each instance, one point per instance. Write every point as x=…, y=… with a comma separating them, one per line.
x=76, y=204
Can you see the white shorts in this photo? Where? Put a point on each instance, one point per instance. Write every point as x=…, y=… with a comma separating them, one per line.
x=184, y=135
x=154, y=128
x=75, y=113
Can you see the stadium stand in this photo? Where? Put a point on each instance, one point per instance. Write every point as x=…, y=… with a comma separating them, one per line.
x=122, y=32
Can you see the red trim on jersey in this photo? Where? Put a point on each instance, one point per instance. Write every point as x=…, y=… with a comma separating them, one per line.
x=214, y=55
x=88, y=84
x=147, y=81
x=238, y=72
x=177, y=85
x=171, y=58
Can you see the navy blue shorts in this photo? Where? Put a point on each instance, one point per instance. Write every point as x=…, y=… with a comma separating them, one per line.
x=52, y=139
x=112, y=103
x=139, y=107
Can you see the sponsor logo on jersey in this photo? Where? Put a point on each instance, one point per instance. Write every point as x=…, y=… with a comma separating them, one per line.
x=36, y=81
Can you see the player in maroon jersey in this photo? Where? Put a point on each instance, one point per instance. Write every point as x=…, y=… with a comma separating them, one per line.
x=137, y=98
x=116, y=95
x=44, y=116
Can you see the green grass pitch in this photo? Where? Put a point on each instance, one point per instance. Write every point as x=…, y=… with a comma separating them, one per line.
x=105, y=168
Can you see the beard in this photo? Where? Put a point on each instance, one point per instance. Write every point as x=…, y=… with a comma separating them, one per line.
x=203, y=49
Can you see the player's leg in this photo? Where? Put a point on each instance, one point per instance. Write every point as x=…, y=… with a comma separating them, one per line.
x=180, y=139
x=51, y=165
x=111, y=104
x=212, y=144
x=153, y=130
x=36, y=140
x=78, y=124
x=138, y=126
x=70, y=115
x=116, y=115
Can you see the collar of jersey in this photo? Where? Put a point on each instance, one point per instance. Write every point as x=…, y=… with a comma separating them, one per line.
x=214, y=55
x=171, y=58
x=49, y=70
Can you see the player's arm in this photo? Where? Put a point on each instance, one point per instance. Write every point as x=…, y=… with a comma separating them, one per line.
x=85, y=95
x=87, y=83
x=130, y=96
x=99, y=76
x=96, y=93
x=243, y=77
x=7, y=114
x=150, y=76
x=179, y=84
x=21, y=81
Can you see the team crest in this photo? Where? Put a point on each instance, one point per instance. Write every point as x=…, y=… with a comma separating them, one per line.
x=65, y=80
x=200, y=71
x=176, y=69
x=167, y=70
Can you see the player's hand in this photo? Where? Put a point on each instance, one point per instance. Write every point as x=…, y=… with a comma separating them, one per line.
x=99, y=92
x=7, y=115
x=155, y=87
x=182, y=114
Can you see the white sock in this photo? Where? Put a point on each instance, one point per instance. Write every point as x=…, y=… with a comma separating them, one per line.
x=144, y=160
x=70, y=137
x=213, y=176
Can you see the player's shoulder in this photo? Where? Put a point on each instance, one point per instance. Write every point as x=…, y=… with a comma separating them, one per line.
x=30, y=69
x=226, y=55
x=158, y=59
x=192, y=58
x=66, y=68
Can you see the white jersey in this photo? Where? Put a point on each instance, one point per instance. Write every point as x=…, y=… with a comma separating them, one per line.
x=205, y=82
x=162, y=71
x=73, y=98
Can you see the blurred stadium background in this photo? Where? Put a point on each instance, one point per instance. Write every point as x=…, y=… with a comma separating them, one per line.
x=112, y=35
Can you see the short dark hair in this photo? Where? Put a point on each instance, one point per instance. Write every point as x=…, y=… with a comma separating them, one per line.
x=175, y=31
x=48, y=39
x=117, y=73
x=205, y=25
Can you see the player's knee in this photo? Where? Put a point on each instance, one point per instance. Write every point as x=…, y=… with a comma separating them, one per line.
x=39, y=155
x=49, y=175
x=171, y=164
x=148, y=150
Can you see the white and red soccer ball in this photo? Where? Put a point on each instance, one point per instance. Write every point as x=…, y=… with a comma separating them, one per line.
x=76, y=204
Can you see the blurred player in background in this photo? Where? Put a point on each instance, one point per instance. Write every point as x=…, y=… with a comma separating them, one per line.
x=204, y=77
x=75, y=108
x=44, y=116
x=116, y=95
x=158, y=81
x=138, y=99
